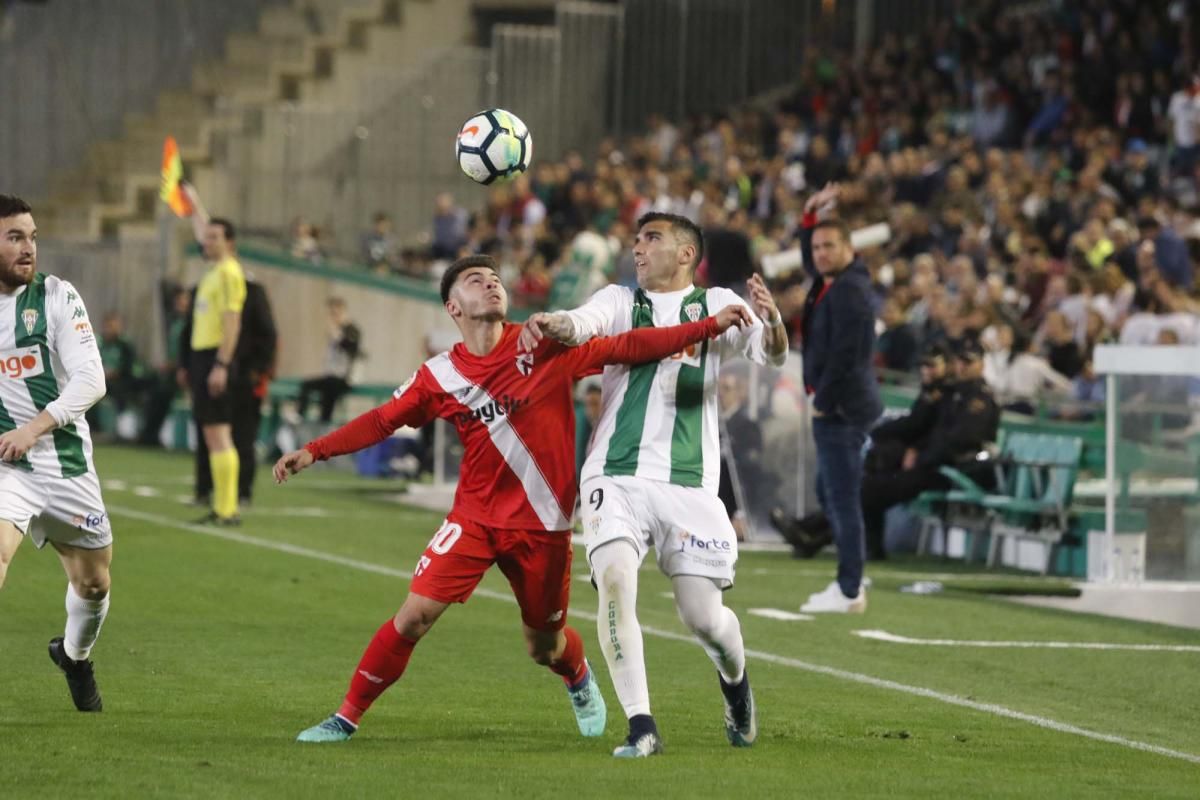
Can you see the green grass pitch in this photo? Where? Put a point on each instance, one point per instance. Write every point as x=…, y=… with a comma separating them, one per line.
x=217, y=651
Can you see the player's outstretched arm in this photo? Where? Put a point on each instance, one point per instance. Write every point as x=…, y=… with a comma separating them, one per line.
x=556, y=325
x=654, y=344
x=593, y=318
x=413, y=404
x=294, y=462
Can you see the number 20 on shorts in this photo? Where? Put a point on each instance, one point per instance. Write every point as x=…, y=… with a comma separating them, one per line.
x=440, y=544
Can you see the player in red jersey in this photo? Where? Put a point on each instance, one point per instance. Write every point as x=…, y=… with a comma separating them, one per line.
x=515, y=415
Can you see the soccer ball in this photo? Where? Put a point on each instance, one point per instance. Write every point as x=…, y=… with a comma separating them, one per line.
x=493, y=146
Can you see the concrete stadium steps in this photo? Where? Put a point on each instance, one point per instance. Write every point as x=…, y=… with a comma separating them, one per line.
x=339, y=54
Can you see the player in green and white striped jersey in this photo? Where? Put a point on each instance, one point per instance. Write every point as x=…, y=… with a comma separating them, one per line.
x=652, y=471
x=50, y=374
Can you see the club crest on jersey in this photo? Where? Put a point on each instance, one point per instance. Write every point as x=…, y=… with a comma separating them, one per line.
x=525, y=363
x=693, y=311
x=30, y=317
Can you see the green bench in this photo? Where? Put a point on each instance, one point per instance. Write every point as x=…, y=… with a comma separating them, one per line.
x=1035, y=478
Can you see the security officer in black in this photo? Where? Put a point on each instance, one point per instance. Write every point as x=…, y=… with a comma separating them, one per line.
x=950, y=423
x=966, y=423
x=893, y=440
x=971, y=418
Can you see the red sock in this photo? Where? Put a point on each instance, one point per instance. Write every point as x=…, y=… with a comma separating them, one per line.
x=570, y=665
x=382, y=665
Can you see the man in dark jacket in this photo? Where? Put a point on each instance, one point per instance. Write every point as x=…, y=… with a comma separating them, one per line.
x=838, y=332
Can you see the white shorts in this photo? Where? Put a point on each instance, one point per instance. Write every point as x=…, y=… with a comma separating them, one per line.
x=71, y=510
x=687, y=526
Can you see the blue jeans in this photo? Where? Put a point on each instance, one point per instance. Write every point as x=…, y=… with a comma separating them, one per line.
x=839, y=489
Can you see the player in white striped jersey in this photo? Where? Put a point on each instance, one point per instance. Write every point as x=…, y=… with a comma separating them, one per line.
x=652, y=471
x=50, y=374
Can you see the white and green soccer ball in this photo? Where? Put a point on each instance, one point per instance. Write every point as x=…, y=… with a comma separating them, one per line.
x=493, y=146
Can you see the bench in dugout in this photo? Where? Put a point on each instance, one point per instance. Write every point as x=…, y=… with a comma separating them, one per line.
x=1035, y=476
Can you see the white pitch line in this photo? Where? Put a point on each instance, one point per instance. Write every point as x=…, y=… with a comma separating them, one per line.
x=771, y=658
x=963, y=577
x=780, y=614
x=884, y=636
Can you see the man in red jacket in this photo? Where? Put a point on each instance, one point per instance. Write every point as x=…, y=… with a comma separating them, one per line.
x=516, y=493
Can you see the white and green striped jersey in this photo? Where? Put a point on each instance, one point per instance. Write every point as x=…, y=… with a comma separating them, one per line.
x=659, y=420
x=46, y=342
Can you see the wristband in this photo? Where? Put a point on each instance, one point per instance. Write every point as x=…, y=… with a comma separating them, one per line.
x=219, y=363
x=776, y=321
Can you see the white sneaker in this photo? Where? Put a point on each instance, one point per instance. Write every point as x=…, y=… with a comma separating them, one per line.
x=831, y=600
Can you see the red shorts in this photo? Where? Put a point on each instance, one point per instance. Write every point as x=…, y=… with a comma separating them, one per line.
x=536, y=563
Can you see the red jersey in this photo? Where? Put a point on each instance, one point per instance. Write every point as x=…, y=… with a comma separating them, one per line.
x=515, y=415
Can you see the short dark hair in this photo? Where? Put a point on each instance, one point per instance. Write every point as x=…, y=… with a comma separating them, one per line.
x=11, y=205
x=681, y=227
x=462, y=265
x=226, y=226
x=834, y=225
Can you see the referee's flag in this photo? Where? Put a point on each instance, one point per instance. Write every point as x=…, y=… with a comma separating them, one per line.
x=172, y=173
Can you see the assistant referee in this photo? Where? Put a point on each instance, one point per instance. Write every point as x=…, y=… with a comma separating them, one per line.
x=216, y=322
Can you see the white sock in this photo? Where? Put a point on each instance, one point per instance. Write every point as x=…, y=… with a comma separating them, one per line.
x=84, y=618
x=615, y=566
x=698, y=601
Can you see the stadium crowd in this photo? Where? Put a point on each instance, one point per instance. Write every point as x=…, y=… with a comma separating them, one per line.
x=1039, y=171
x=1037, y=166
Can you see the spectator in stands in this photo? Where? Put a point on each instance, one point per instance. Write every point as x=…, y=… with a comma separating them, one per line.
x=343, y=351
x=1062, y=349
x=305, y=241
x=1015, y=372
x=585, y=421
x=449, y=228
x=378, y=250
x=897, y=347
x=163, y=386
x=121, y=368
x=533, y=288
x=743, y=483
x=1136, y=177
x=1183, y=112
x=526, y=211
x=1170, y=252
x=587, y=265
x=122, y=372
